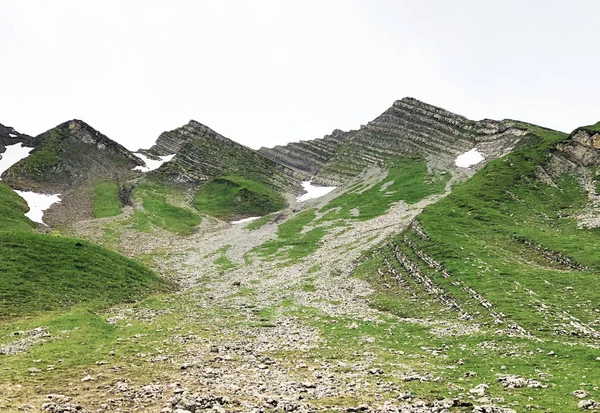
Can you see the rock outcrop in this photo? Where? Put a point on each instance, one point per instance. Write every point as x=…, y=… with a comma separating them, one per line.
x=308, y=156
x=9, y=136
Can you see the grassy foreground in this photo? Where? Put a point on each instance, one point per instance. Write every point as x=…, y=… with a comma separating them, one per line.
x=43, y=273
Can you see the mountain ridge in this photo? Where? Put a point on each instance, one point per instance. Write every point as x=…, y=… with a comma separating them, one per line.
x=415, y=286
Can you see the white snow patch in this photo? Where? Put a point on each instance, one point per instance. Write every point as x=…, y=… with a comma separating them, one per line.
x=470, y=158
x=12, y=135
x=38, y=203
x=241, y=221
x=313, y=191
x=14, y=153
x=151, y=164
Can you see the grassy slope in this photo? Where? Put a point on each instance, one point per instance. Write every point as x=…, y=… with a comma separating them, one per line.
x=291, y=244
x=595, y=128
x=106, y=202
x=407, y=180
x=237, y=197
x=42, y=272
x=45, y=157
x=472, y=233
x=160, y=211
x=12, y=208
x=475, y=232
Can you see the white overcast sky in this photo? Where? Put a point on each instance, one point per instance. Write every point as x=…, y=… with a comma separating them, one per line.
x=270, y=72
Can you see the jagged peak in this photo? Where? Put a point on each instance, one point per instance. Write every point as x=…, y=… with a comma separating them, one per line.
x=75, y=125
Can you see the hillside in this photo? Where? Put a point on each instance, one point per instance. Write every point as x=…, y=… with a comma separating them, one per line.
x=308, y=156
x=44, y=272
x=202, y=154
x=415, y=286
x=73, y=160
x=240, y=180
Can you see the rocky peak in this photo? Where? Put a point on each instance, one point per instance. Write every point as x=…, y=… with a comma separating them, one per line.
x=409, y=127
x=170, y=142
x=67, y=159
x=79, y=131
x=203, y=154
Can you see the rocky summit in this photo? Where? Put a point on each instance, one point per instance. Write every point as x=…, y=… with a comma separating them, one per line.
x=409, y=127
x=202, y=154
x=450, y=265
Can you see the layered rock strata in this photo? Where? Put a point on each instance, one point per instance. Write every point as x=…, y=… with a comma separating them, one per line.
x=203, y=154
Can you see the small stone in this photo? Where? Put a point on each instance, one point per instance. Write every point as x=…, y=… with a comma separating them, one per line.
x=588, y=404
x=534, y=384
x=34, y=370
x=479, y=390
x=581, y=394
x=87, y=378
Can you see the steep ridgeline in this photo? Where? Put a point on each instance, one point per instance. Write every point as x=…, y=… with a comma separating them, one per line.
x=203, y=154
x=409, y=127
x=308, y=156
x=9, y=136
x=518, y=241
x=72, y=159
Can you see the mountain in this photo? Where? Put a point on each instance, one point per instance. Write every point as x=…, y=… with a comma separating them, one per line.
x=409, y=127
x=419, y=284
x=203, y=154
x=72, y=159
x=229, y=180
